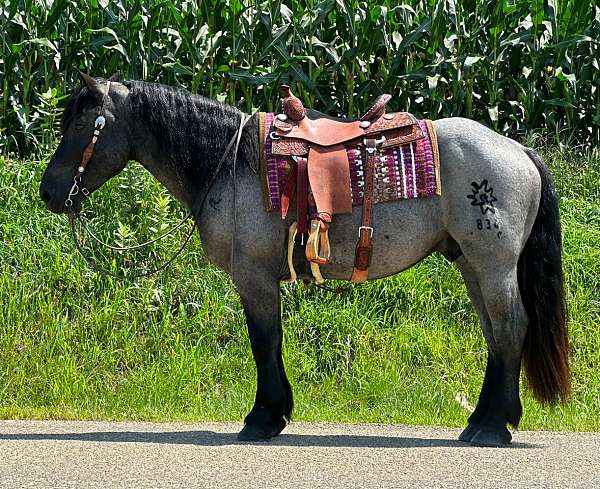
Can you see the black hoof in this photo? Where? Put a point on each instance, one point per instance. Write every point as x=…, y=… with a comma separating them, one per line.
x=487, y=437
x=469, y=432
x=252, y=432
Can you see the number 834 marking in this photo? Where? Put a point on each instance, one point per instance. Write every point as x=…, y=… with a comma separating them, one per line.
x=485, y=224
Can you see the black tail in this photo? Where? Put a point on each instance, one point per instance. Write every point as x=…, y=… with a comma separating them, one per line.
x=546, y=349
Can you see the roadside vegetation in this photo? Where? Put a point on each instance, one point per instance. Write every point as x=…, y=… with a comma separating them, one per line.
x=74, y=344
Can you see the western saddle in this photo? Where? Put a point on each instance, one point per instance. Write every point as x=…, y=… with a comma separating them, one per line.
x=320, y=179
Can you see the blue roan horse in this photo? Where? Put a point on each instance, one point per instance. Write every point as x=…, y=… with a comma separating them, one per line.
x=512, y=268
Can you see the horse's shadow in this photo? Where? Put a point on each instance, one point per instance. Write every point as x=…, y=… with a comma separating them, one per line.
x=211, y=438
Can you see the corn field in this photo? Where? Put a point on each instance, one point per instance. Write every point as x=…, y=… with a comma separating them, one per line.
x=518, y=66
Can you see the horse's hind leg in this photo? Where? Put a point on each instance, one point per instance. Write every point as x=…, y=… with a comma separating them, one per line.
x=476, y=296
x=495, y=293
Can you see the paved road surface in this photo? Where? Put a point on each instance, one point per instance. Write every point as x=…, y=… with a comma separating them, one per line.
x=50, y=454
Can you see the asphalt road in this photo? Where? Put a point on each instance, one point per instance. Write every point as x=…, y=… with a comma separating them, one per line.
x=57, y=454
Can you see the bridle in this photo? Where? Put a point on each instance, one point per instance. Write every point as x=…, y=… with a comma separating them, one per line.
x=99, y=124
x=78, y=187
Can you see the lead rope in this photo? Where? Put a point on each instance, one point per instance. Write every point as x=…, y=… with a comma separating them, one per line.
x=78, y=186
x=84, y=225
x=148, y=273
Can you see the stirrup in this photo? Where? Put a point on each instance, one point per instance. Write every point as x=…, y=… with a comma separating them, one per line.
x=316, y=273
x=290, y=252
x=318, y=241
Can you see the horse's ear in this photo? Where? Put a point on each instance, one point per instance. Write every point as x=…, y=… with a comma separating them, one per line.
x=93, y=85
x=116, y=77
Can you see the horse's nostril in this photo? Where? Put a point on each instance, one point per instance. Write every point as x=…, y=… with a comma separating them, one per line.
x=45, y=195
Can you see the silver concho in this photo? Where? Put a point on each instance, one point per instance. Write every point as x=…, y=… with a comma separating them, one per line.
x=100, y=122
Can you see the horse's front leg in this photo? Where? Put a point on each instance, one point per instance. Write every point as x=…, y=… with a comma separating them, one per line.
x=259, y=293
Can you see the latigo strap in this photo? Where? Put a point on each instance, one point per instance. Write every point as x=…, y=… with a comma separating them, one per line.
x=302, y=196
x=364, y=247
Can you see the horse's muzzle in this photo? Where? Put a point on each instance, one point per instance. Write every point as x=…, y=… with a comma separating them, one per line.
x=55, y=201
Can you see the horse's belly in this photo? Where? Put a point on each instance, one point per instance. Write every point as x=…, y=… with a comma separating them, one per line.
x=405, y=232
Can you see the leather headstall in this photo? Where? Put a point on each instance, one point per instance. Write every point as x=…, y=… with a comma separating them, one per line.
x=99, y=124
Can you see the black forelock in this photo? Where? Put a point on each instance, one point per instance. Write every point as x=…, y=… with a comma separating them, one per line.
x=81, y=99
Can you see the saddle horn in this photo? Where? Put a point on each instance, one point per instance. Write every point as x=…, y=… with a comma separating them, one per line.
x=291, y=105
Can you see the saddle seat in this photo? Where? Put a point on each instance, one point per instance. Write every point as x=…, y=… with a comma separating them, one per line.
x=298, y=128
x=317, y=143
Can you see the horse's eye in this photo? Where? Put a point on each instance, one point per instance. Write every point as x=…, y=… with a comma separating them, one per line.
x=79, y=126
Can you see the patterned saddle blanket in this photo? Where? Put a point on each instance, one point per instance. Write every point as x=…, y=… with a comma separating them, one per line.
x=407, y=171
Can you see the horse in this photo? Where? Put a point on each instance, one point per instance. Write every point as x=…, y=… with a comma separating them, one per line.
x=497, y=219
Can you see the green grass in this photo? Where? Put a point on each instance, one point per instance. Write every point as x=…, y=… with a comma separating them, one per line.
x=77, y=345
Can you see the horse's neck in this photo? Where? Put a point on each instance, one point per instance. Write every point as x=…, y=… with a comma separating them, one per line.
x=178, y=177
x=149, y=154
x=152, y=155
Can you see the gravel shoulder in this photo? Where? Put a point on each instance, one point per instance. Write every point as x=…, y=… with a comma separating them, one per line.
x=61, y=454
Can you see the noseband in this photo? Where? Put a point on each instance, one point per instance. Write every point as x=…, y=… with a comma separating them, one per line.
x=78, y=187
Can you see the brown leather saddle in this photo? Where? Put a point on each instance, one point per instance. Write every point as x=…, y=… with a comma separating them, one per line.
x=320, y=178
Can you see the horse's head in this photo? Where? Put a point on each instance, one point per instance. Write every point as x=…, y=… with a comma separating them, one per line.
x=81, y=124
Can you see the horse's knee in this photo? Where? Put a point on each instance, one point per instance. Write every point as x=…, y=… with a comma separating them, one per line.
x=264, y=340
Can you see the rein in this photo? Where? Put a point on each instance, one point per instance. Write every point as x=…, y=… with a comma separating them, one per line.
x=78, y=187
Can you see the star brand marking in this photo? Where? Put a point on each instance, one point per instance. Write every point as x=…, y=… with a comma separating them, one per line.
x=483, y=197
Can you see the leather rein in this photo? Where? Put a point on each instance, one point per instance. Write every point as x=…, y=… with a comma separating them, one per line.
x=78, y=187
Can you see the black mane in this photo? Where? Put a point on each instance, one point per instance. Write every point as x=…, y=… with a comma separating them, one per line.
x=190, y=129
